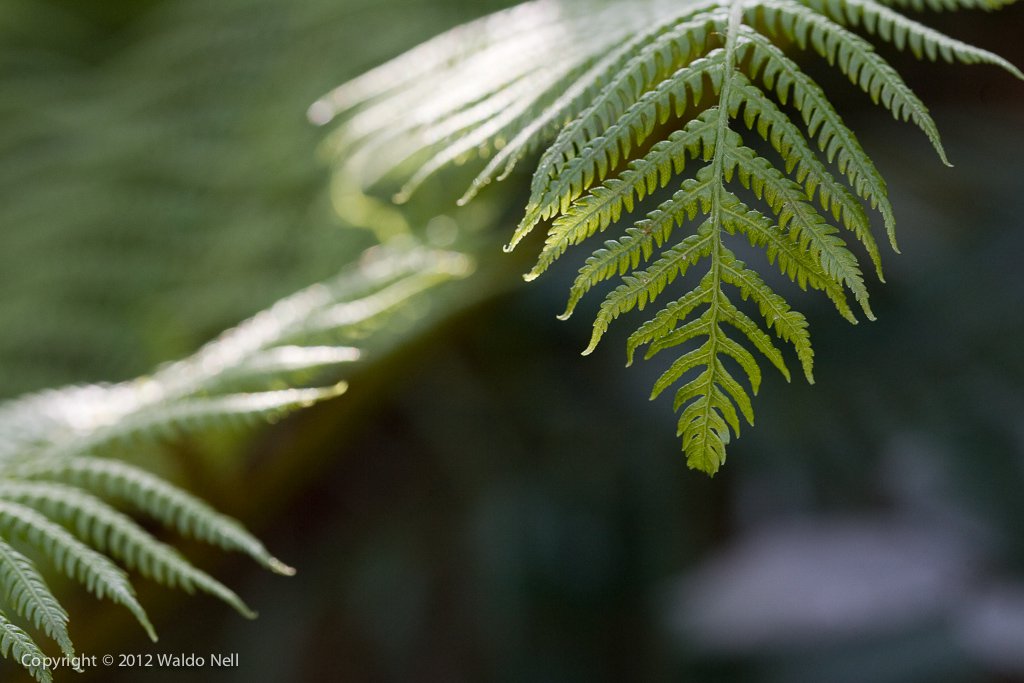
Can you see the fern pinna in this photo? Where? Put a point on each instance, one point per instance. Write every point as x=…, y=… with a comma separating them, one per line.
x=594, y=81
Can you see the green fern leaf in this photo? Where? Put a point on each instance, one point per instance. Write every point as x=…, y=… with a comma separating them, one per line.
x=838, y=142
x=855, y=57
x=153, y=496
x=27, y=593
x=75, y=559
x=775, y=127
x=20, y=647
x=609, y=121
x=690, y=72
x=583, y=91
x=794, y=261
x=199, y=414
x=117, y=534
x=644, y=286
x=788, y=324
x=789, y=203
x=580, y=219
x=475, y=130
x=902, y=32
x=638, y=244
x=54, y=478
x=605, y=203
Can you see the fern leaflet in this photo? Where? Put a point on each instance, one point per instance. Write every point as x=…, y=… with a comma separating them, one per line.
x=18, y=645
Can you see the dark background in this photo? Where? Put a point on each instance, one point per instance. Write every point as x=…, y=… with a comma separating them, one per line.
x=485, y=504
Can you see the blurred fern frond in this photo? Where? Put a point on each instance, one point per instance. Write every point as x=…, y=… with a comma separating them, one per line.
x=123, y=194
x=66, y=495
x=629, y=97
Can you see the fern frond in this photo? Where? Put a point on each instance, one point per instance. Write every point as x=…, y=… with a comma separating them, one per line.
x=789, y=203
x=775, y=127
x=58, y=491
x=794, y=261
x=838, y=142
x=691, y=73
x=638, y=245
x=594, y=161
x=854, y=57
x=20, y=647
x=194, y=415
x=903, y=32
x=287, y=365
x=624, y=112
x=645, y=79
x=613, y=70
x=789, y=325
x=645, y=285
x=272, y=348
x=478, y=130
x=606, y=203
x=25, y=591
x=120, y=536
x=99, y=575
x=453, y=48
x=155, y=497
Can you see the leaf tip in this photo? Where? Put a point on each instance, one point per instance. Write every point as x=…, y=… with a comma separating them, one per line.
x=278, y=567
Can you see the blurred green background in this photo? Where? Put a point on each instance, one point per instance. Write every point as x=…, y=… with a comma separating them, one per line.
x=485, y=504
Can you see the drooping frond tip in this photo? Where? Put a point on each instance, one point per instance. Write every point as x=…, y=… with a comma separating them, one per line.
x=636, y=98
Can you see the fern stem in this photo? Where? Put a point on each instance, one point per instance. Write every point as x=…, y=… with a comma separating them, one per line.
x=698, y=457
x=718, y=161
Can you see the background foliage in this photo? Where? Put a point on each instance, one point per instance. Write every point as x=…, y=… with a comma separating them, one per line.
x=481, y=505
